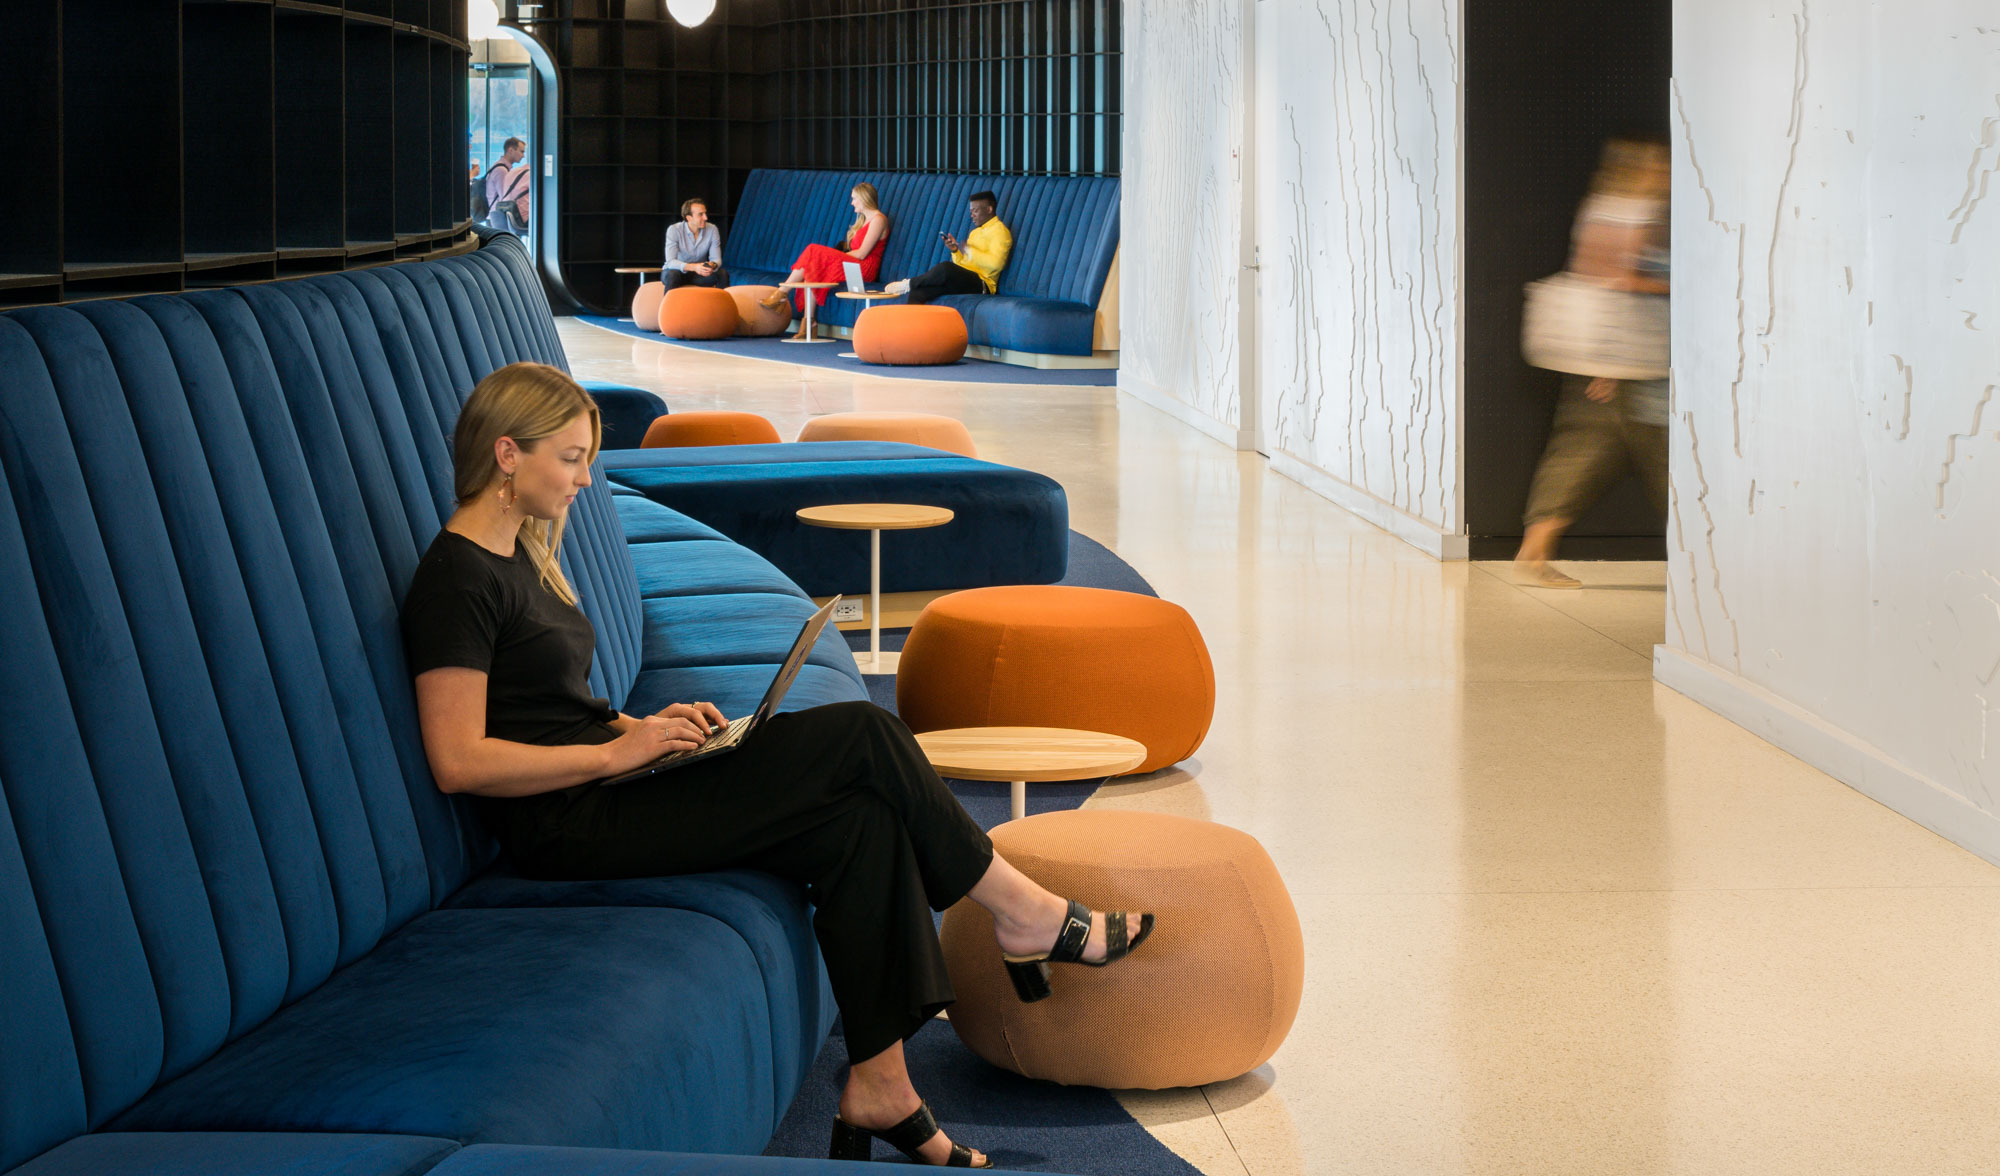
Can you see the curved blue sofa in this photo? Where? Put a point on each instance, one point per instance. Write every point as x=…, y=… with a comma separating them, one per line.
x=240, y=929
x=1065, y=237
x=1010, y=526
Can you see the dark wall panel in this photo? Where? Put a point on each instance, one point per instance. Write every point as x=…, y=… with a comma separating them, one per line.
x=1546, y=84
x=164, y=144
x=654, y=113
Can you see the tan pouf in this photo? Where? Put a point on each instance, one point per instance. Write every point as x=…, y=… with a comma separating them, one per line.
x=753, y=317
x=1052, y=655
x=698, y=312
x=646, y=306
x=1211, y=993
x=911, y=428
x=910, y=335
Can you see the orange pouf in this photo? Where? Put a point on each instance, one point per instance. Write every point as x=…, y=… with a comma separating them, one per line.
x=753, y=318
x=676, y=430
x=910, y=335
x=1057, y=656
x=646, y=306
x=911, y=428
x=698, y=312
x=1209, y=996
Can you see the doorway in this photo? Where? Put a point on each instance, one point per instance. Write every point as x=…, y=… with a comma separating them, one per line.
x=1545, y=85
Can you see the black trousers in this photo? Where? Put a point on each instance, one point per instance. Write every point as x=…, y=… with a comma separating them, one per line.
x=676, y=278
x=945, y=277
x=838, y=798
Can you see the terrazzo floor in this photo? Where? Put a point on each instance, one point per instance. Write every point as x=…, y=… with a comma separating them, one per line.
x=1558, y=919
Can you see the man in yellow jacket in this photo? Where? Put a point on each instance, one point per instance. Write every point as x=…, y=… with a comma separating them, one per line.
x=975, y=267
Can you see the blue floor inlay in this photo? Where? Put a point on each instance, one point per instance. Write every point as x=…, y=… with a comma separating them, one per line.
x=827, y=355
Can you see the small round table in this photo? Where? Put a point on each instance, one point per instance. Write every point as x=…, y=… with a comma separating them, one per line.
x=875, y=518
x=808, y=287
x=641, y=270
x=868, y=298
x=1021, y=754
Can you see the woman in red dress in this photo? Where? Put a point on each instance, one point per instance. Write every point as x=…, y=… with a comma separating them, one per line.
x=821, y=263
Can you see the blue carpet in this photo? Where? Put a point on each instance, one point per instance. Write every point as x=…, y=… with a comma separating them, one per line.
x=1020, y=1122
x=1023, y=1124
x=827, y=355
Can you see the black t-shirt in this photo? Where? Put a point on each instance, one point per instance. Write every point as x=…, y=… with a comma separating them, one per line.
x=471, y=608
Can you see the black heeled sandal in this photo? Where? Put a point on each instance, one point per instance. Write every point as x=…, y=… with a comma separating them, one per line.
x=1030, y=973
x=857, y=1143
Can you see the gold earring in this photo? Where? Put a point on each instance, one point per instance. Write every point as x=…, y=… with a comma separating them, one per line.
x=506, y=494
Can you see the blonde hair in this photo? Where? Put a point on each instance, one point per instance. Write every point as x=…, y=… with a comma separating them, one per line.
x=870, y=202
x=528, y=402
x=1630, y=167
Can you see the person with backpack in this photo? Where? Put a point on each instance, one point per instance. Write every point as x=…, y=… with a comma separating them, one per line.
x=507, y=189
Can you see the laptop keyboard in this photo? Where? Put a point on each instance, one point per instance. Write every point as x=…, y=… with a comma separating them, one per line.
x=729, y=736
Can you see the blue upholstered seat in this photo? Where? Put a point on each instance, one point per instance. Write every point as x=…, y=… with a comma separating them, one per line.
x=1012, y=525
x=241, y=1153
x=222, y=858
x=1065, y=236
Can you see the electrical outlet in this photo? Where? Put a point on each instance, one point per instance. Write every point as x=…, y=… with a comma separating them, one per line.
x=849, y=610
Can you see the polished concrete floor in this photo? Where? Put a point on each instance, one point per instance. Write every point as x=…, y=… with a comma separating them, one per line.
x=1558, y=919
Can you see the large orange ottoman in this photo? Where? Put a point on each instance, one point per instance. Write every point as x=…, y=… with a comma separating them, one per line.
x=646, y=306
x=910, y=335
x=753, y=317
x=698, y=312
x=911, y=428
x=1049, y=655
x=680, y=429
x=1209, y=996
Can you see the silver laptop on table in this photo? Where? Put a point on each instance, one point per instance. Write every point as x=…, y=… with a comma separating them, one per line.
x=731, y=737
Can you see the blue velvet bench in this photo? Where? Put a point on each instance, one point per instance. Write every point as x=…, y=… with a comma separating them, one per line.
x=1011, y=525
x=1046, y=310
x=240, y=929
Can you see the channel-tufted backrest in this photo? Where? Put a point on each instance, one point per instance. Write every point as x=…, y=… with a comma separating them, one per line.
x=1065, y=228
x=212, y=788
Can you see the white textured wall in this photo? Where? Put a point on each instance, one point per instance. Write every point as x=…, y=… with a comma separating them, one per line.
x=1834, y=571
x=1182, y=203
x=1355, y=215
x=1358, y=306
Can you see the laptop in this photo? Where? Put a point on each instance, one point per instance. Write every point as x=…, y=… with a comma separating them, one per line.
x=854, y=283
x=731, y=737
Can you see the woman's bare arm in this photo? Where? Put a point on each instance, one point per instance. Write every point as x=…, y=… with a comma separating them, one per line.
x=451, y=710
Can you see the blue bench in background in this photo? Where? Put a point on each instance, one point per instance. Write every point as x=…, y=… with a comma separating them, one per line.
x=241, y=931
x=1051, y=309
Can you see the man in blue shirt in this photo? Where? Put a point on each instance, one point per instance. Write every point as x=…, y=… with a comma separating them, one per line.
x=694, y=250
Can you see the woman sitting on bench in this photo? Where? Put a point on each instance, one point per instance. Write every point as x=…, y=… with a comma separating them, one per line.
x=837, y=798
x=822, y=263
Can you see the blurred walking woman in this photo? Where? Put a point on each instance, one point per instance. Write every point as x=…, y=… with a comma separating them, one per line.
x=822, y=263
x=1601, y=322
x=837, y=798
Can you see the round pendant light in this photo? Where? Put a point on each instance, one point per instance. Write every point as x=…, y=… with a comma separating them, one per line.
x=482, y=19
x=691, y=12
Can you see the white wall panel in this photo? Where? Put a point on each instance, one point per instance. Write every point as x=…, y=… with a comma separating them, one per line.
x=1358, y=306
x=1834, y=535
x=1182, y=204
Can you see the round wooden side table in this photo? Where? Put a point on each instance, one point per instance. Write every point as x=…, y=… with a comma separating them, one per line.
x=867, y=298
x=808, y=287
x=642, y=271
x=1020, y=755
x=875, y=518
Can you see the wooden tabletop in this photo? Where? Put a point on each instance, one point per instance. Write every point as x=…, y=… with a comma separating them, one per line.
x=806, y=285
x=637, y=269
x=875, y=516
x=865, y=294
x=1029, y=753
